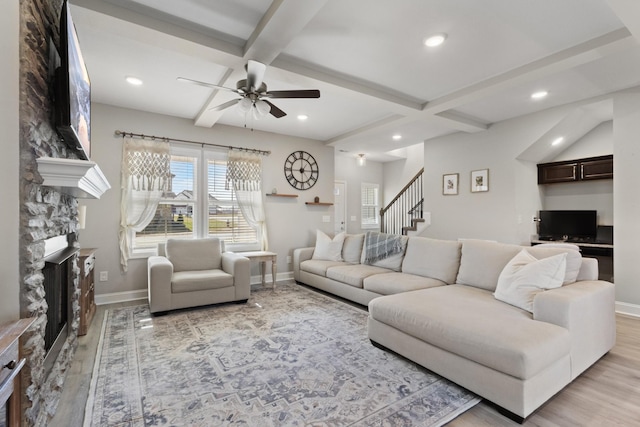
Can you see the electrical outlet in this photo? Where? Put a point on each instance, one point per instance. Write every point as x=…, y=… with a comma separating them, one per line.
x=289, y=259
x=104, y=276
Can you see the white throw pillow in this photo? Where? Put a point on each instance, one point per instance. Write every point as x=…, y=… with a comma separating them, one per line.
x=328, y=249
x=525, y=276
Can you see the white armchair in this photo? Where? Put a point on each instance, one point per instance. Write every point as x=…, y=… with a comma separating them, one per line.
x=190, y=273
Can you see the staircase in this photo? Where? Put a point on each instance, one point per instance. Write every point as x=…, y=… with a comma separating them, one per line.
x=404, y=213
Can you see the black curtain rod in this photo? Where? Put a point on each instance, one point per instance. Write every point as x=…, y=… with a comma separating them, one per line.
x=164, y=138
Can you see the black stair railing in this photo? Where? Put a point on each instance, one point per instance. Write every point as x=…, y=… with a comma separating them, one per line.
x=405, y=208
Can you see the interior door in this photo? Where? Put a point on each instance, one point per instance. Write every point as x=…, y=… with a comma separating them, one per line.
x=340, y=206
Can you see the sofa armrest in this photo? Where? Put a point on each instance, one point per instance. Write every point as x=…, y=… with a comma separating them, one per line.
x=159, y=273
x=587, y=310
x=240, y=268
x=300, y=255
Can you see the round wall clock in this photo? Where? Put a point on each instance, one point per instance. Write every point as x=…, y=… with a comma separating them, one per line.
x=301, y=170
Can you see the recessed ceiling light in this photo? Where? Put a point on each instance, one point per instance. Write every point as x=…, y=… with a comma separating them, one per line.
x=539, y=95
x=557, y=141
x=435, y=40
x=302, y=117
x=133, y=81
x=397, y=137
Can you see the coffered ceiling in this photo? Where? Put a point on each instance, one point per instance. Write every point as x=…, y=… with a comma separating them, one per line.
x=368, y=58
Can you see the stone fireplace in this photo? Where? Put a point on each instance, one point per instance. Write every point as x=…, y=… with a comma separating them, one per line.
x=48, y=209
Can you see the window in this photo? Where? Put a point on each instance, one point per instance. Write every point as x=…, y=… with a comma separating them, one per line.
x=369, y=209
x=197, y=204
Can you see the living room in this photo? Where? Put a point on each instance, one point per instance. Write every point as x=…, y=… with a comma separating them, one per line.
x=509, y=149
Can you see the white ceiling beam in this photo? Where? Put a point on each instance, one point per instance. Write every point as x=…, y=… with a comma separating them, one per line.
x=222, y=52
x=629, y=13
x=569, y=58
x=282, y=22
x=444, y=107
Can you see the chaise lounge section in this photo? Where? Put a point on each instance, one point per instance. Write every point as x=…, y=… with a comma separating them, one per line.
x=443, y=310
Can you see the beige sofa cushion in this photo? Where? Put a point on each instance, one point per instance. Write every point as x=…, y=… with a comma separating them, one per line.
x=482, y=261
x=318, y=267
x=352, y=248
x=438, y=259
x=200, y=280
x=194, y=254
x=393, y=283
x=353, y=274
x=463, y=320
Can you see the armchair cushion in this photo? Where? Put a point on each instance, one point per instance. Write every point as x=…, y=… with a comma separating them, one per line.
x=194, y=255
x=200, y=280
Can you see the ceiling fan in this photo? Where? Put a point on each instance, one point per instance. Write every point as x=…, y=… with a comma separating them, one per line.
x=253, y=92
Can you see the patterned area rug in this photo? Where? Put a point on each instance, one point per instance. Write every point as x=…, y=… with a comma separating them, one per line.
x=292, y=357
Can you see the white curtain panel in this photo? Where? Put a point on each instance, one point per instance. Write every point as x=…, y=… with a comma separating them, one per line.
x=146, y=175
x=244, y=176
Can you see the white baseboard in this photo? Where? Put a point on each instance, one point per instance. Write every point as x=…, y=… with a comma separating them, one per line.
x=256, y=280
x=115, y=297
x=628, y=309
x=141, y=294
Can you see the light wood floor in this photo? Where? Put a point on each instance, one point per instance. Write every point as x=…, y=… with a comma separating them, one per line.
x=607, y=394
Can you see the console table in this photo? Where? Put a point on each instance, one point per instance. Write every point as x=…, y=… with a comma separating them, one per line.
x=10, y=365
x=262, y=257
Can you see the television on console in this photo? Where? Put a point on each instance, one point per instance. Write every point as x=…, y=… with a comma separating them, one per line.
x=73, y=90
x=577, y=225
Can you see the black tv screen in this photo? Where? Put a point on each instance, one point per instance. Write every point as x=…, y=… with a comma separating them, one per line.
x=73, y=90
x=581, y=224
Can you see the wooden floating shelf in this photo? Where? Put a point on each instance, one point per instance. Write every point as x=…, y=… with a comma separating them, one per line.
x=318, y=203
x=281, y=195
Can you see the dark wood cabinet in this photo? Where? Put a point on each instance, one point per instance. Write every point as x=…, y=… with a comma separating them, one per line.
x=11, y=362
x=597, y=168
x=87, y=289
x=587, y=169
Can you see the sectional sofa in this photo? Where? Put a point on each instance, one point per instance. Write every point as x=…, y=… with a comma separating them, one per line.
x=513, y=324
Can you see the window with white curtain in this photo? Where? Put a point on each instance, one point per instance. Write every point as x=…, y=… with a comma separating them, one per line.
x=369, y=205
x=197, y=204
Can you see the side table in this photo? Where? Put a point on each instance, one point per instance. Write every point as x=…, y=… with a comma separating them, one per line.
x=263, y=257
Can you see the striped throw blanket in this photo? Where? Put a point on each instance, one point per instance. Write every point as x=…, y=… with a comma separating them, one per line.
x=378, y=246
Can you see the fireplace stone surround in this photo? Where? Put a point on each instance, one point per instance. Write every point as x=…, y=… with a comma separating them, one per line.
x=44, y=212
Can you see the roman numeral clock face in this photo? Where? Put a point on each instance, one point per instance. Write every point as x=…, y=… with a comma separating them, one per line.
x=301, y=170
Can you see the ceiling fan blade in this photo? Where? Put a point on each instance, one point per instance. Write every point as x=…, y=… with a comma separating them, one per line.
x=309, y=93
x=225, y=105
x=275, y=111
x=255, y=74
x=209, y=85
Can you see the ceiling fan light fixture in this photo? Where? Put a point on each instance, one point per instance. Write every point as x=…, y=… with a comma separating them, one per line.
x=245, y=105
x=262, y=108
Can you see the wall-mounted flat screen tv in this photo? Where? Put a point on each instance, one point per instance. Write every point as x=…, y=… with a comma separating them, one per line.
x=578, y=224
x=73, y=90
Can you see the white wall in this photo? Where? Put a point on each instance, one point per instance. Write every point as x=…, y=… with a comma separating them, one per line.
x=626, y=161
x=347, y=170
x=590, y=195
x=504, y=213
x=399, y=172
x=514, y=193
x=9, y=173
x=290, y=223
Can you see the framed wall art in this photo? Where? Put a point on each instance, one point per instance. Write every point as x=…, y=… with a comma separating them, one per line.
x=480, y=180
x=450, y=184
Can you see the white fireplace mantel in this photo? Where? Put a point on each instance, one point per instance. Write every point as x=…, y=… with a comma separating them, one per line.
x=80, y=178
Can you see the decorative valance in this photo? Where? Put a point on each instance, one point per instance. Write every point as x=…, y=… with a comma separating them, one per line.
x=146, y=165
x=244, y=171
